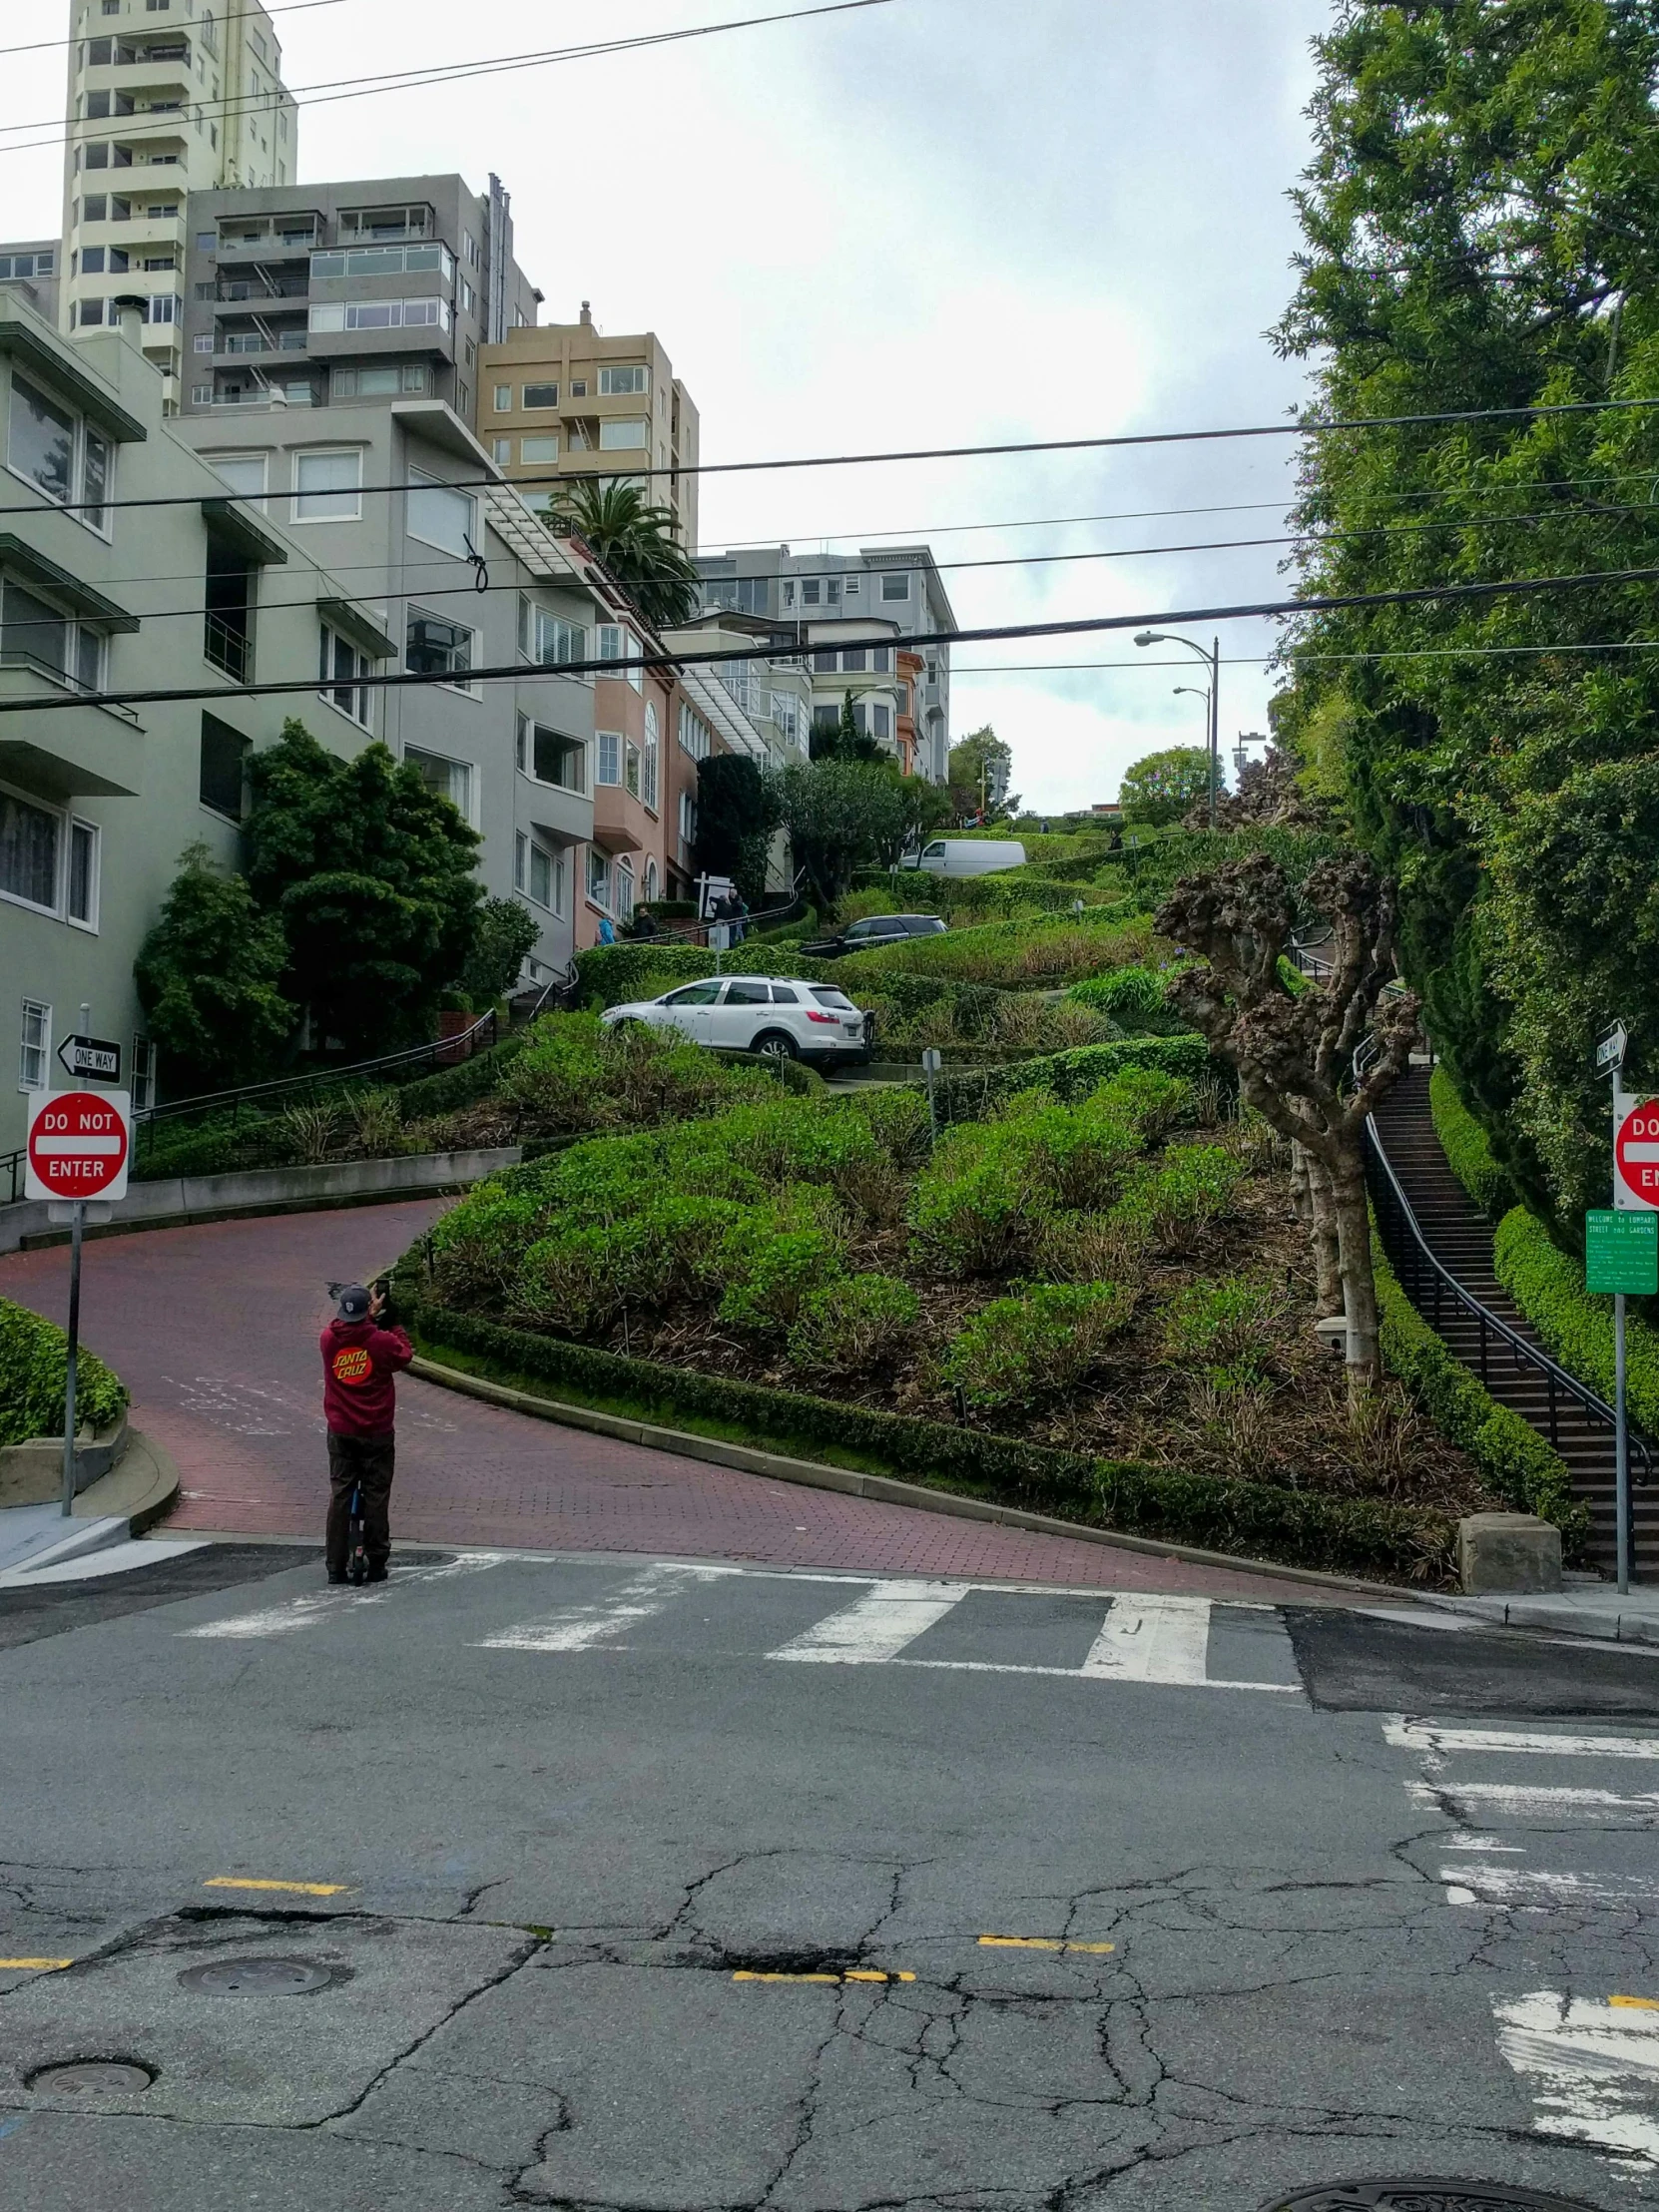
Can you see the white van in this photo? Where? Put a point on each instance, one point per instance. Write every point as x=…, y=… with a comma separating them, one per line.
x=968, y=855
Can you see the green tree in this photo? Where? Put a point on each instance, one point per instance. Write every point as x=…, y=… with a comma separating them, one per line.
x=208, y=978
x=1161, y=788
x=977, y=774
x=508, y=932
x=1480, y=217
x=738, y=809
x=843, y=739
x=838, y=815
x=639, y=543
x=372, y=879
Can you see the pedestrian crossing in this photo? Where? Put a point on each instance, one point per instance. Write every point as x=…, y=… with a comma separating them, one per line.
x=801, y=1619
x=1559, y=1852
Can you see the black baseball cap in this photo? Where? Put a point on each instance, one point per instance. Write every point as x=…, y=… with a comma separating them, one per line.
x=354, y=1303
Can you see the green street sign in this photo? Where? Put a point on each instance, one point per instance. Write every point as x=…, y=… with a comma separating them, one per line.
x=1621, y=1253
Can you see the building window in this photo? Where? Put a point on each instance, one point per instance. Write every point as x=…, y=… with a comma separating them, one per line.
x=789, y=591
x=688, y=828
x=59, y=453
x=823, y=662
x=328, y=486
x=623, y=436
x=341, y=670
x=81, y=891
x=607, y=764
x=618, y=644
x=650, y=759
x=503, y=398
x=535, y=395
x=501, y=452
x=549, y=640
x=436, y=647
x=441, y=516
x=880, y=658
x=35, y=1055
x=145, y=1057
x=222, y=779
x=384, y=383
x=631, y=767
x=895, y=586
x=29, y=853
x=854, y=587
x=852, y=661
x=578, y=387
x=652, y=881
x=35, y=635
x=826, y=718
x=549, y=757
x=532, y=450
x=451, y=779
x=880, y=718
x=383, y=260
x=811, y=591
x=599, y=879
x=693, y=733
x=243, y=472
x=379, y=314
x=625, y=890
x=539, y=875
x=616, y=382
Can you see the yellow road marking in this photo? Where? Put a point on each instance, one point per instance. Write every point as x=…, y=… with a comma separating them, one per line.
x=36, y=1965
x=1041, y=1943
x=295, y=1889
x=833, y=1981
x=1637, y=2004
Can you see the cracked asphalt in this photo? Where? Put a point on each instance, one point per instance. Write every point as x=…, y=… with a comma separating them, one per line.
x=617, y=1912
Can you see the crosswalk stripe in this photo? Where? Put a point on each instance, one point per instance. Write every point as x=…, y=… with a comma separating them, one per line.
x=1594, y=2070
x=1515, y=1802
x=312, y=1606
x=1153, y=1639
x=876, y=1627
x=581, y=1627
x=1478, y=1881
x=1407, y=1734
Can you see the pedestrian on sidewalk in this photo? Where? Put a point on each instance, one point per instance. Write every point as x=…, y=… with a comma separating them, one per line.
x=360, y=1404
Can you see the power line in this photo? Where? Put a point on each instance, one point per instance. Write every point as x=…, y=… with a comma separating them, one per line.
x=328, y=91
x=280, y=7
x=516, y=672
x=1266, y=660
x=474, y=590
x=922, y=453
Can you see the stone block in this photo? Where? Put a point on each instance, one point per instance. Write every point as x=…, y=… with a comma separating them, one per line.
x=1508, y=1554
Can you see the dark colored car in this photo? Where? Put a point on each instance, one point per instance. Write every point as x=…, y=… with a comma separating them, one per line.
x=874, y=930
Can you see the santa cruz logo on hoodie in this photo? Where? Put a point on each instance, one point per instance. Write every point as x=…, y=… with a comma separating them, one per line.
x=352, y=1365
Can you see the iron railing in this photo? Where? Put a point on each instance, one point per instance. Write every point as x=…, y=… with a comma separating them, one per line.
x=1432, y=1288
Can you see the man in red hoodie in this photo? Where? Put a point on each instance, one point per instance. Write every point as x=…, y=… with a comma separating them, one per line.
x=360, y=1404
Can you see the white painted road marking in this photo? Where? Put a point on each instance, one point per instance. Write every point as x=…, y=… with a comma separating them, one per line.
x=1407, y=1734
x=1594, y=2068
x=1153, y=1639
x=313, y=1606
x=1511, y=1801
x=580, y=1627
x=1537, y=1888
x=876, y=1627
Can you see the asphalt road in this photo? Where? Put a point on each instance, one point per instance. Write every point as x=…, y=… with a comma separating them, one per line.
x=669, y=1887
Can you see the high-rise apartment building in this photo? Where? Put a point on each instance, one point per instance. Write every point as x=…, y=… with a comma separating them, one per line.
x=853, y=611
x=387, y=288
x=563, y=399
x=165, y=98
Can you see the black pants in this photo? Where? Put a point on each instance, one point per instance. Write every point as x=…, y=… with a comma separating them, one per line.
x=365, y=1462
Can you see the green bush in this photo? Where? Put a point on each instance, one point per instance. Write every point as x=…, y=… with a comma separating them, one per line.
x=1049, y=950
x=1075, y=1074
x=1134, y=998
x=1517, y=1462
x=974, y=1208
x=1188, y=1190
x=1019, y=1350
x=575, y=1075
x=34, y=1374
x=1465, y=1144
x=1258, y=1519
x=1225, y=1327
x=1576, y=1324
x=617, y=974
x=854, y=1324
x=773, y=1277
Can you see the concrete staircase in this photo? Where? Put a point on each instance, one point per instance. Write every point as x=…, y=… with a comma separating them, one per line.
x=1460, y=1237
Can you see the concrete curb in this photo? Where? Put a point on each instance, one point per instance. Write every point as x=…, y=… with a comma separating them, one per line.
x=176, y=1200
x=1607, y=1624
x=31, y=1474
x=814, y=1474
x=141, y=1491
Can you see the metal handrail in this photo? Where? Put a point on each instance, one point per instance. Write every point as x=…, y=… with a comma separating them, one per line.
x=1410, y=1255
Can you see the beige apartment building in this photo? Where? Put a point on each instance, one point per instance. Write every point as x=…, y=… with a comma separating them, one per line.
x=165, y=98
x=562, y=399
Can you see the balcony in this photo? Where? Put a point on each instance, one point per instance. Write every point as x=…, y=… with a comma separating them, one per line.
x=239, y=290
x=621, y=823
x=87, y=751
x=561, y=816
x=231, y=344
x=268, y=237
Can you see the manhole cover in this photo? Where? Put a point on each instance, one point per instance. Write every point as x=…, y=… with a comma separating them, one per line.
x=117, y=2075
x=257, y=1978
x=1419, y=2195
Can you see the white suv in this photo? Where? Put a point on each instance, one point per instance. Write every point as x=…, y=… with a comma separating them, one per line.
x=780, y=1016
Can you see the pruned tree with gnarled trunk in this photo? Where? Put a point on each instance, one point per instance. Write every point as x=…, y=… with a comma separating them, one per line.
x=1292, y=1050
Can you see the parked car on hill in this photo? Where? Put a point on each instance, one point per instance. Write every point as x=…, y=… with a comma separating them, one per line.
x=874, y=930
x=779, y=1016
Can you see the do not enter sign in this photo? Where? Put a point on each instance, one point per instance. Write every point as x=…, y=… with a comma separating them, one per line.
x=79, y=1143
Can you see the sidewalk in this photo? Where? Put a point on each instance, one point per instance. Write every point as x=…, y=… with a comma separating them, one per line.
x=1585, y=1610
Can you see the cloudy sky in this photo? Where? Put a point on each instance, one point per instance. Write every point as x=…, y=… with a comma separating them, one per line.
x=925, y=223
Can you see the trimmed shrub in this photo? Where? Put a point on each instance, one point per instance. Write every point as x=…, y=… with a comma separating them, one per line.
x=899, y=1120
x=34, y=1375
x=973, y=1210
x=1055, y=949
x=1225, y=1327
x=617, y=974
x=1016, y=1351
x=1079, y=1072
x=850, y=1327
x=1518, y=1463
x=1467, y=1151
x=770, y=1277
x=1191, y=1188
x=1576, y=1325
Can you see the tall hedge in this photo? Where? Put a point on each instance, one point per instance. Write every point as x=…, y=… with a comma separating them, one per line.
x=34, y=1370
x=1576, y=1323
x=1466, y=1146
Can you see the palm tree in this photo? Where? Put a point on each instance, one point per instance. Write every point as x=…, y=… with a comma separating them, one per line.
x=639, y=543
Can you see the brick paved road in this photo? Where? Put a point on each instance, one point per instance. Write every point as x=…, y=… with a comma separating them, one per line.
x=214, y=1330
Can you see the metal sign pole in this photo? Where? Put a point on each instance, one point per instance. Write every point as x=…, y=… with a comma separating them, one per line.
x=74, y=1345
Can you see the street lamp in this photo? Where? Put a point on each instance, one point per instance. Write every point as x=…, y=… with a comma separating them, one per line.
x=1212, y=658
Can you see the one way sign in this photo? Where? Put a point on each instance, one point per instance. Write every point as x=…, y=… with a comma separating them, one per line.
x=94, y=1056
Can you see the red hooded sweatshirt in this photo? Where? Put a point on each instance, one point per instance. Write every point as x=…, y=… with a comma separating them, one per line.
x=359, y=1360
